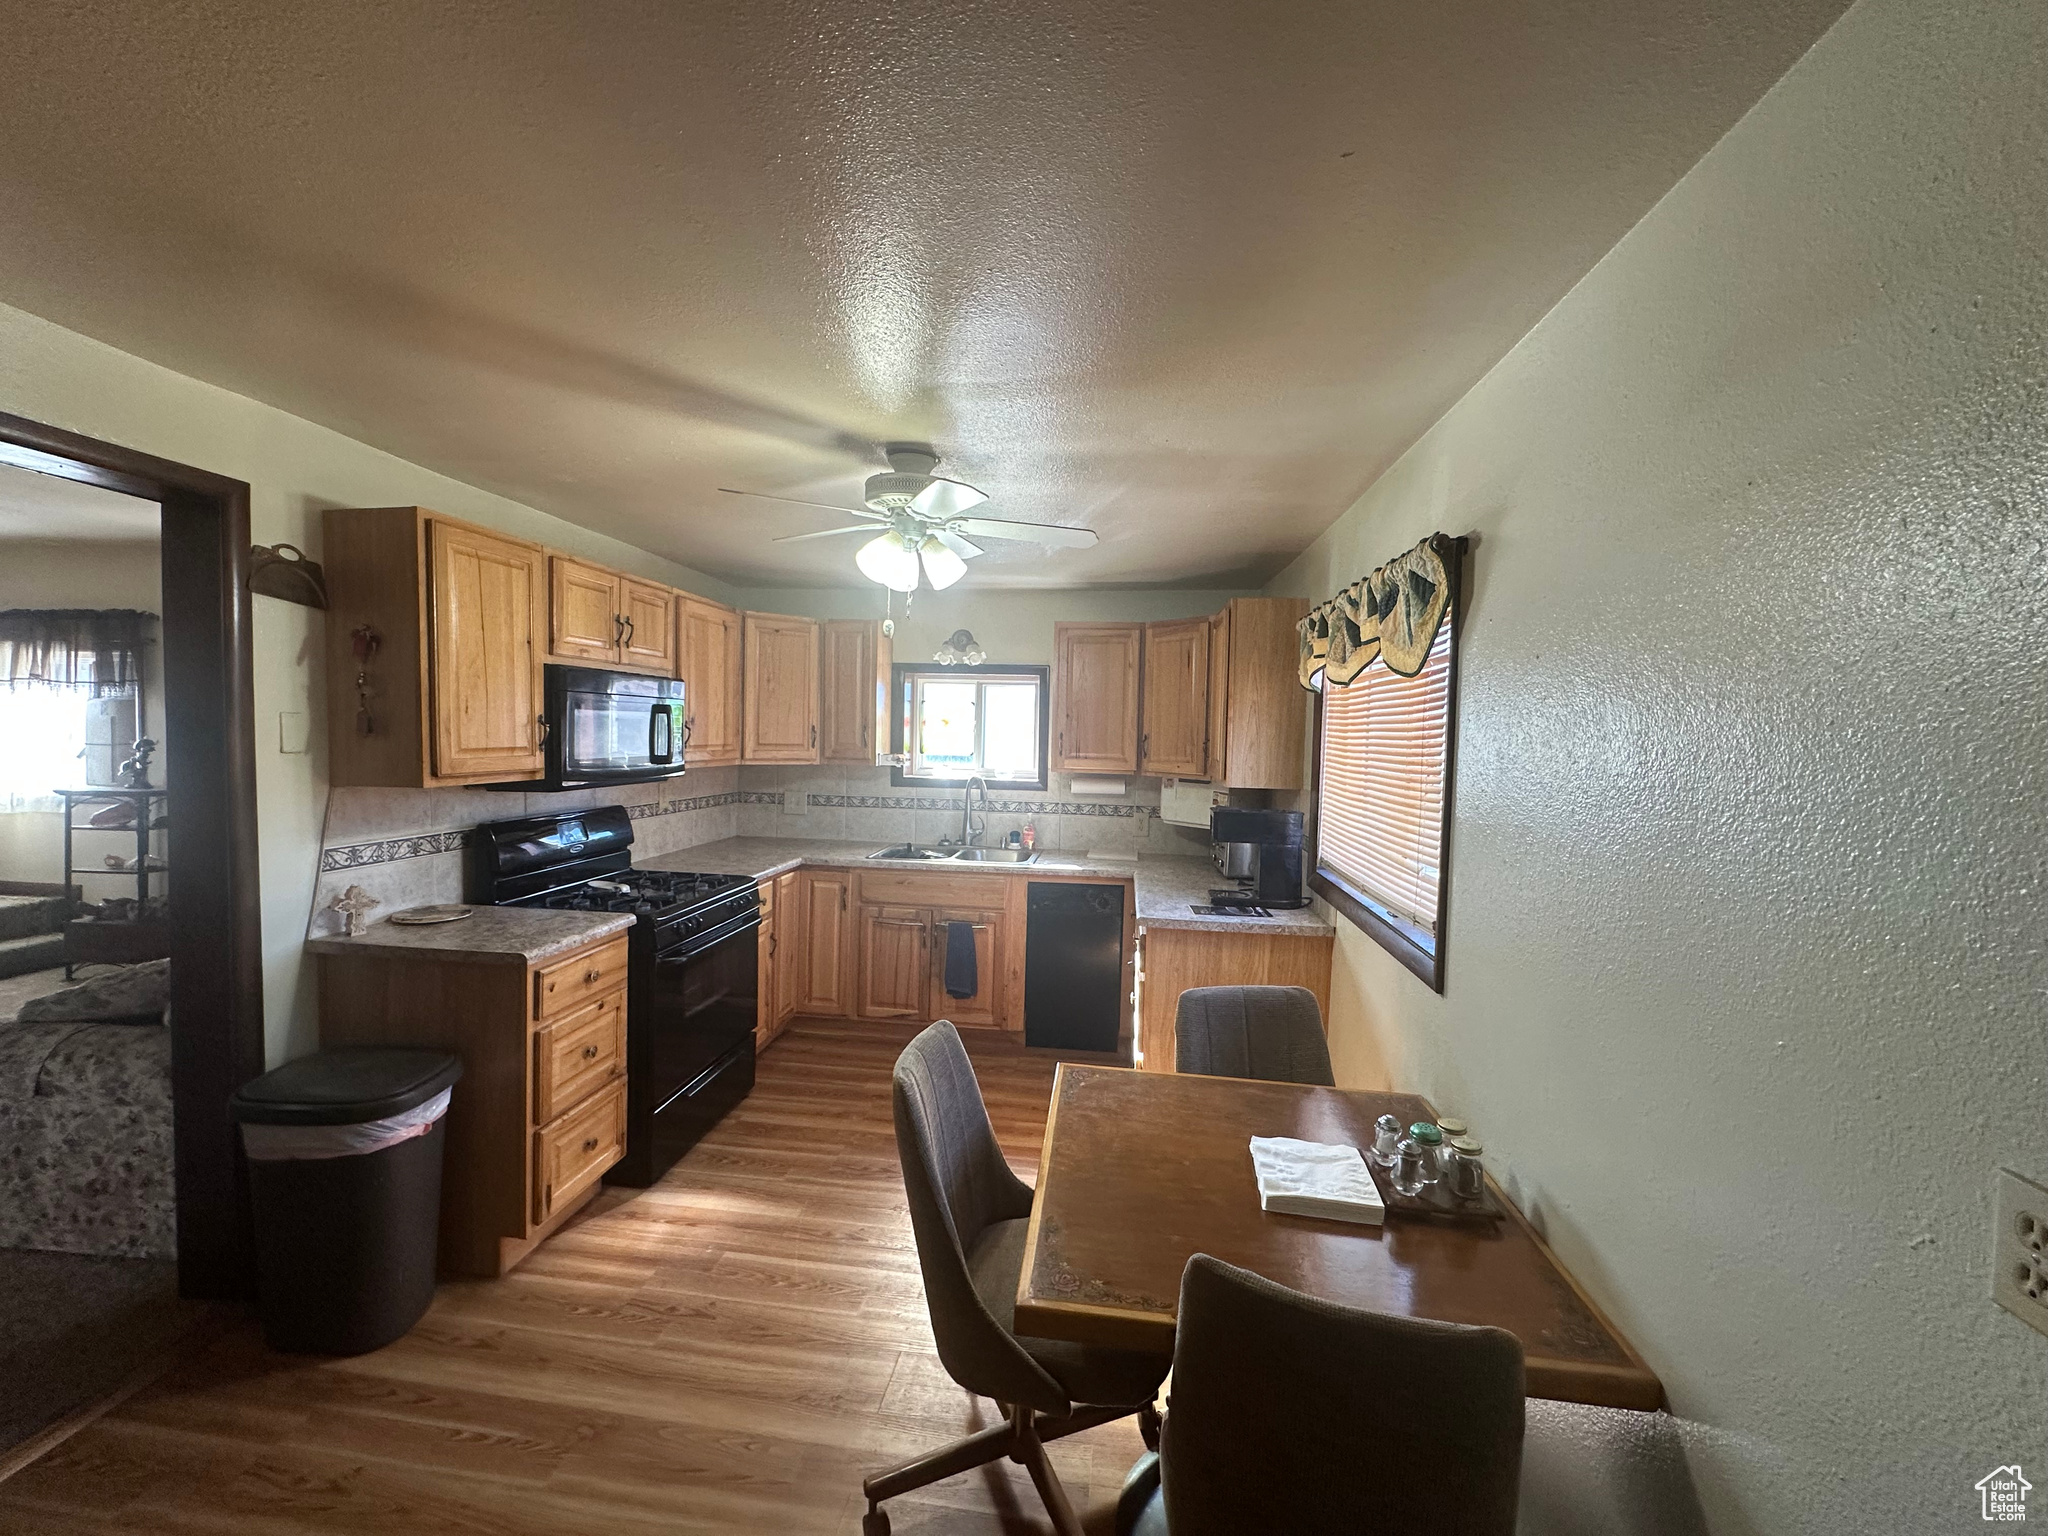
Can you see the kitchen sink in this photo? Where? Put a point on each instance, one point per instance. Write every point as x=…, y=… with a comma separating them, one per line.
x=950, y=851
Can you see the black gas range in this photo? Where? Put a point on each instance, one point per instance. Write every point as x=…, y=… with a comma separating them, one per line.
x=692, y=967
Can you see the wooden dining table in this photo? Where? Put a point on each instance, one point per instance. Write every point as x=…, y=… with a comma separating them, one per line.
x=1141, y=1170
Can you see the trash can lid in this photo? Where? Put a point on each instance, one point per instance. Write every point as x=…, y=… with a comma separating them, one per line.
x=345, y=1086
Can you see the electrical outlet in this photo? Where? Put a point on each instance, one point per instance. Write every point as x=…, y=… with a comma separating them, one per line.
x=2019, y=1257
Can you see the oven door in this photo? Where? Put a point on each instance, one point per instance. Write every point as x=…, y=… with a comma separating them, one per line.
x=701, y=1005
x=613, y=728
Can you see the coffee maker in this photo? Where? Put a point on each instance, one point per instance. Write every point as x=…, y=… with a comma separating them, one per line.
x=1262, y=848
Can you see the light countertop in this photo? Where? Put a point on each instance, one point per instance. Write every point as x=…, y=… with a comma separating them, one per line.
x=491, y=936
x=1165, y=888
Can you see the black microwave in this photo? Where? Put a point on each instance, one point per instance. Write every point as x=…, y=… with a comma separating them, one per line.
x=609, y=728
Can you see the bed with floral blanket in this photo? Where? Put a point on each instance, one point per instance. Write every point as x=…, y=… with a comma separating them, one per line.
x=85, y=1118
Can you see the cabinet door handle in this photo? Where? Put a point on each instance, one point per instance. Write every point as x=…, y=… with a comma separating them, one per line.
x=590, y=1144
x=814, y=736
x=590, y=1053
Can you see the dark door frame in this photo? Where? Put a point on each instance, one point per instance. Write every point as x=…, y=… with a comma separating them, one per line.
x=216, y=916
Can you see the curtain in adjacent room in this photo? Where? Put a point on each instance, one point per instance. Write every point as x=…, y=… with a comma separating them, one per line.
x=95, y=649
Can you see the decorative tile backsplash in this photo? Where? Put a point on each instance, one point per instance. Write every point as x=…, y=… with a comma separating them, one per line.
x=915, y=802
x=420, y=845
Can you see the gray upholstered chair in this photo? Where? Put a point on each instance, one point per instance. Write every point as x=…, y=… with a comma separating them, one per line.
x=1295, y=1415
x=1273, y=1033
x=970, y=1213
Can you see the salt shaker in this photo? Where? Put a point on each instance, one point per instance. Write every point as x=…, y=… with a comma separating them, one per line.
x=1410, y=1167
x=1468, y=1170
x=1386, y=1136
x=1430, y=1138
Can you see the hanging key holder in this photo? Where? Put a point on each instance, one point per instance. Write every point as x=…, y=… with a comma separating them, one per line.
x=364, y=641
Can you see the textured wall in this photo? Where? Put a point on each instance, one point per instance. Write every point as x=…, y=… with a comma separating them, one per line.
x=295, y=470
x=1745, y=946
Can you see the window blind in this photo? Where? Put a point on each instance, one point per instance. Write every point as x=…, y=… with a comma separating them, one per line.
x=1380, y=793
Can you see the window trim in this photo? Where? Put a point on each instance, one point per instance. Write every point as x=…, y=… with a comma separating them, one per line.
x=900, y=677
x=1354, y=904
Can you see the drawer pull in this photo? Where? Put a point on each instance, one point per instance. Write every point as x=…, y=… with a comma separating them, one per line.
x=593, y=974
x=590, y=1053
x=590, y=1145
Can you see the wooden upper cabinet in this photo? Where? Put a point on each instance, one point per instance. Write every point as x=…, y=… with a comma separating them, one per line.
x=826, y=970
x=854, y=723
x=585, y=616
x=484, y=661
x=895, y=962
x=779, y=693
x=435, y=633
x=649, y=641
x=1095, y=693
x=1174, y=738
x=1264, y=708
x=1219, y=695
x=708, y=643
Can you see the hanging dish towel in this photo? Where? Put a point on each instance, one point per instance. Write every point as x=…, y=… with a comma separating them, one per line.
x=963, y=975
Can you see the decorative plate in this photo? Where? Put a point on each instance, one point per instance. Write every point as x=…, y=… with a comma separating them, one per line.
x=421, y=916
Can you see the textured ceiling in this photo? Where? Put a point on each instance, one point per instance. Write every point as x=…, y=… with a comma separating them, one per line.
x=43, y=507
x=1190, y=275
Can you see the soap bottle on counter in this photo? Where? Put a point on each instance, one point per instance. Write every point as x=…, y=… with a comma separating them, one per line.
x=1030, y=836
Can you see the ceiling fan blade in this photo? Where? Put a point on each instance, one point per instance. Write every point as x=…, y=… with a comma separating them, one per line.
x=820, y=505
x=824, y=533
x=958, y=545
x=1037, y=533
x=946, y=498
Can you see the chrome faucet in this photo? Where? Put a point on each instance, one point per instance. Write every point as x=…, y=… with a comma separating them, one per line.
x=968, y=834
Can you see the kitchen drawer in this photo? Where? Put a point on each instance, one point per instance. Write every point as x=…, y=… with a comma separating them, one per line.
x=572, y=1153
x=569, y=984
x=576, y=1054
x=932, y=888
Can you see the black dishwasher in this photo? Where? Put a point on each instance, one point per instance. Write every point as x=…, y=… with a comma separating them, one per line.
x=1074, y=966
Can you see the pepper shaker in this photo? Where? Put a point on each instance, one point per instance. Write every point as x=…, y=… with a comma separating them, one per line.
x=1452, y=1128
x=1468, y=1171
x=1410, y=1170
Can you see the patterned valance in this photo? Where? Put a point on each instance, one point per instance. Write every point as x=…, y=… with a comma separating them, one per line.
x=1391, y=614
x=91, y=648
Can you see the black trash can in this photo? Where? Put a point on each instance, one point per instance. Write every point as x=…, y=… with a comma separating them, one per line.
x=345, y=1176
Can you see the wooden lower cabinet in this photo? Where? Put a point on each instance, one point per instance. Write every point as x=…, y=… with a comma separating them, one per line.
x=540, y=1112
x=895, y=962
x=985, y=1007
x=1171, y=960
x=790, y=946
x=825, y=968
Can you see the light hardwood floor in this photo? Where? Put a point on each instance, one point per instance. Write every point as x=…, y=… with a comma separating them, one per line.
x=728, y=1351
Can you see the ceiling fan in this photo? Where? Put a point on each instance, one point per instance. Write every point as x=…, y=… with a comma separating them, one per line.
x=922, y=518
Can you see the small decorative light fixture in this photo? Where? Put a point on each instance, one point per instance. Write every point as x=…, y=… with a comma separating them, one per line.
x=890, y=561
x=961, y=649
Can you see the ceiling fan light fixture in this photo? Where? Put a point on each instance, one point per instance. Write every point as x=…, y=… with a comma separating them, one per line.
x=888, y=561
x=941, y=566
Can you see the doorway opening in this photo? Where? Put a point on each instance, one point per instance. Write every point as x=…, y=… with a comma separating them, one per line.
x=130, y=983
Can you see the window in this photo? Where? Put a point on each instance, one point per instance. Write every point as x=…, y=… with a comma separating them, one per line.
x=955, y=722
x=1383, y=752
